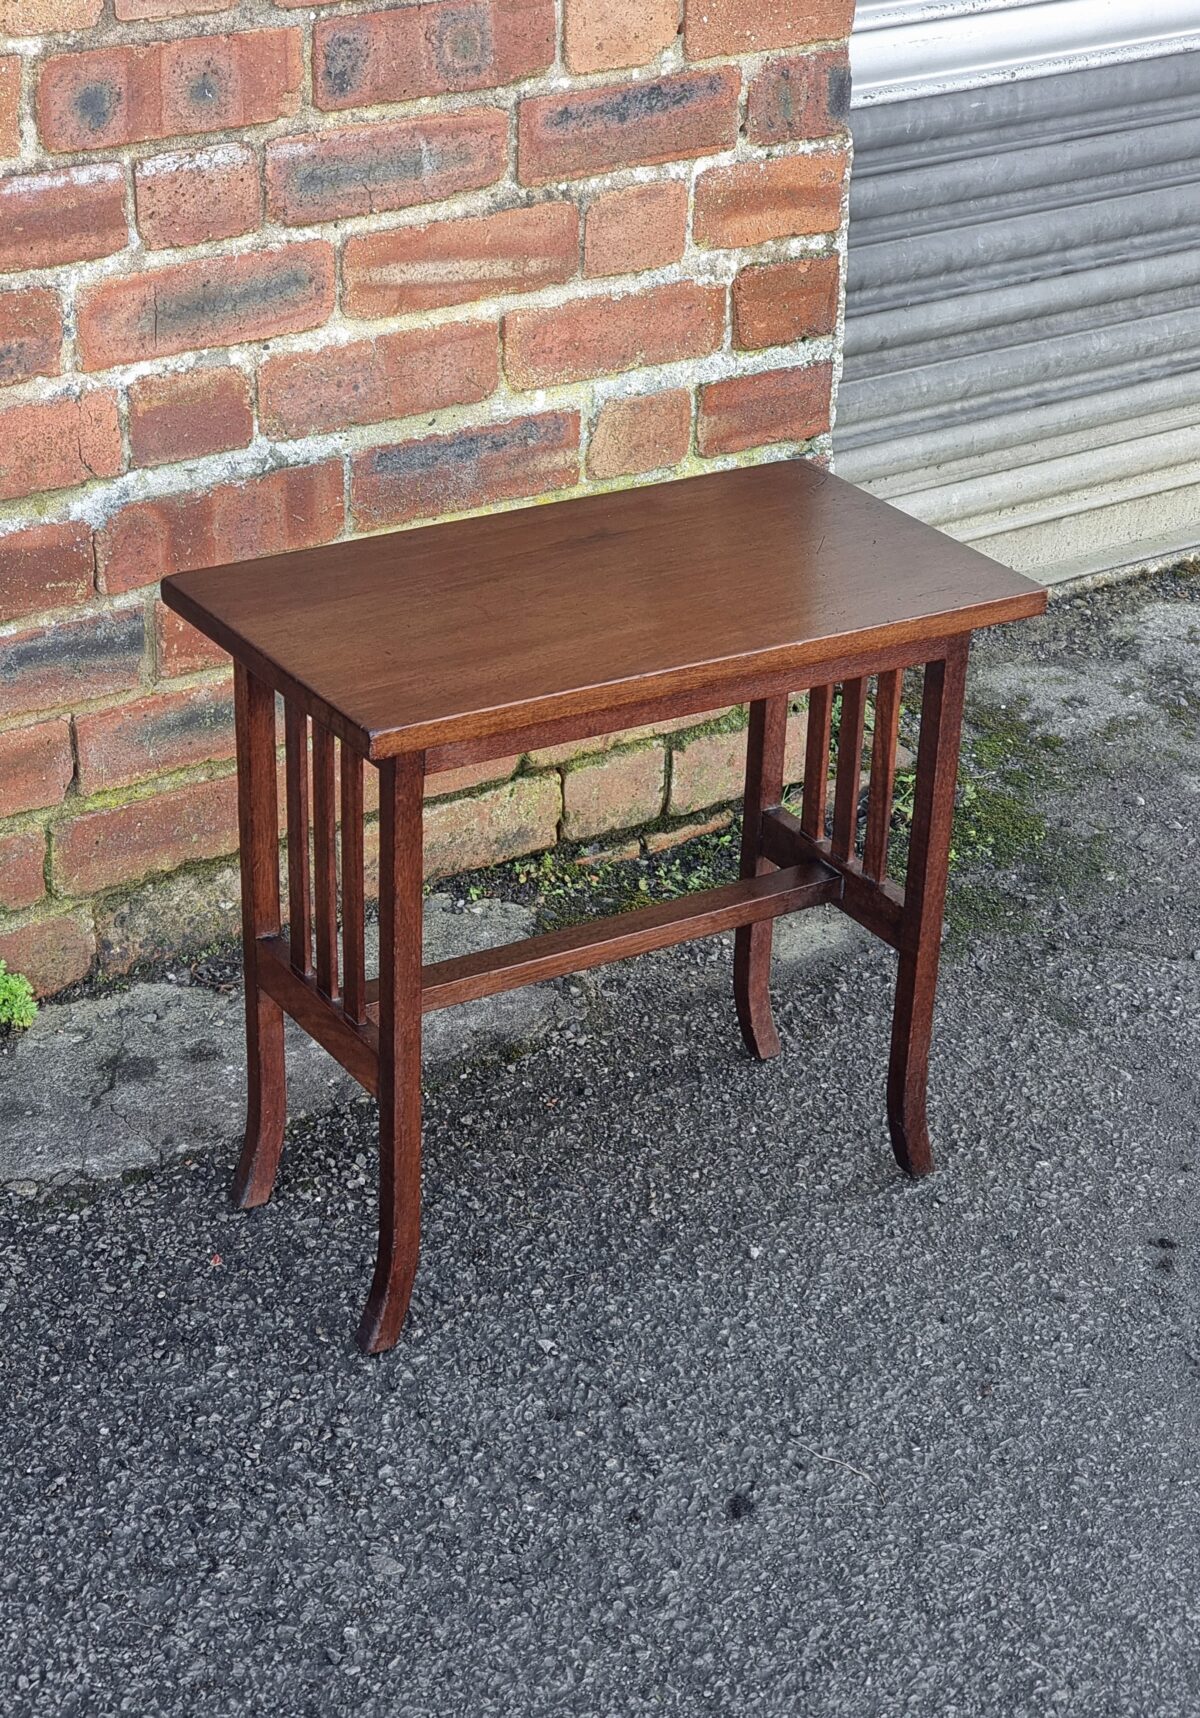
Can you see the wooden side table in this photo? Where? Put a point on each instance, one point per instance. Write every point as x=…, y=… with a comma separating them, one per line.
x=423, y=651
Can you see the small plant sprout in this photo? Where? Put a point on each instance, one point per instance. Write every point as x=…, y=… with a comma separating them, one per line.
x=17, y=1005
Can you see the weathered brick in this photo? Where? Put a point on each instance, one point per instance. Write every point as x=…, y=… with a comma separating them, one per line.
x=605, y=35
x=44, y=567
x=370, y=381
x=800, y=97
x=120, y=843
x=185, y=416
x=503, y=823
x=440, y=49
x=451, y=782
x=709, y=768
x=295, y=508
x=168, y=731
x=45, y=17
x=753, y=201
x=468, y=469
x=367, y=169
x=51, y=218
x=573, y=750
x=22, y=869
x=10, y=104
x=168, y=918
x=108, y=97
x=640, y=227
x=179, y=648
x=216, y=301
x=35, y=766
x=775, y=303
x=70, y=660
x=754, y=411
x=644, y=433
x=660, y=840
x=129, y=11
x=734, y=27
x=52, y=953
x=569, y=136
x=595, y=336
x=31, y=332
x=615, y=791
x=411, y=269
x=55, y=444
x=189, y=199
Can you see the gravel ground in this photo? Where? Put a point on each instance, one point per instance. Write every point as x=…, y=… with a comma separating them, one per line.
x=701, y=1408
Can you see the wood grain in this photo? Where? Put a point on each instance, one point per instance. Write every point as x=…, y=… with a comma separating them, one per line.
x=766, y=742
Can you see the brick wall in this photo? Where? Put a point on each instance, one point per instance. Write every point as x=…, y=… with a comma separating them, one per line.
x=276, y=273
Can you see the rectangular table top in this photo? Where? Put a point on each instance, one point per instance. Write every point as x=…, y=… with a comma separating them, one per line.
x=452, y=632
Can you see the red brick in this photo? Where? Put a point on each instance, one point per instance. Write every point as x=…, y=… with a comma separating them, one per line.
x=586, y=131
x=191, y=199
x=643, y=226
x=22, y=869
x=46, y=566
x=468, y=469
x=51, y=218
x=370, y=381
x=453, y=782
x=605, y=35
x=775, y=303
x=189, y=415
x=455, y=262
x=10, y=104
x=753, y=201
x=615, y=791
x=215, y=301
x=51, y=954
x=433, y=50
x=123, y=843
x=295, y=508
x=709, y=768
x=168, y=731
x=180, y=649
x=69, y=661
x=801, y=97
x=736, y=27
x=660, y=840
x=35, y=766
x=367, y=169
x=31, y=332
x=131, y=10
x=487, y=828
x=755, y=411
x=108, y=97
x=55, y=444
x=641, y=434
x=45, y=17
x=593, y=336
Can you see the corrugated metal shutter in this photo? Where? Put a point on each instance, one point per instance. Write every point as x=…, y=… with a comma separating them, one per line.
x=1023, y=326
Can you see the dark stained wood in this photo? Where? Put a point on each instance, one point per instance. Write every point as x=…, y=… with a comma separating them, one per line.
x=354, y=976
x=401, y=805
x=427, y=638
x=849, y=768
x=879, y=907
x=324, y=803
x=295, y=727
x=258, y=830
x=924, y=904
x=578, y=948
x=356, y=1047
x=816, y=761
x=882, y=789
x=765, y=743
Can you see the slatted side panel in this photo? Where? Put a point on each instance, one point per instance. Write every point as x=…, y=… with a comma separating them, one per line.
x=861, y=711
x=353, y=917
x=324, y=809
x=299, y=882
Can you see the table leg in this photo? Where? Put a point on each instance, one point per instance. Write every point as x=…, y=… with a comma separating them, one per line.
x=752, y=943
x=401, y=796
x=258, y=828
x=924, y=905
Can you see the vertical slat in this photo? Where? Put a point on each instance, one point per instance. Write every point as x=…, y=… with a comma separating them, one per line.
x=883, y=774
x=765, y=747
x=295, y=728
x=849, y=767
x=324, y=860
x=816, y=762
x=353, y=952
